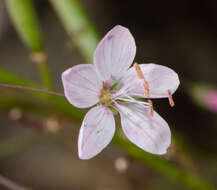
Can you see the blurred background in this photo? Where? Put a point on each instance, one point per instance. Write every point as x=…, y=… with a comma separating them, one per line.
x=38, y=139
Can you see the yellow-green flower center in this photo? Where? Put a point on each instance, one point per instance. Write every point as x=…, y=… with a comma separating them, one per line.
x=105, y=97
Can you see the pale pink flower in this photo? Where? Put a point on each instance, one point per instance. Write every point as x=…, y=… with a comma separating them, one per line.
x=109, y=82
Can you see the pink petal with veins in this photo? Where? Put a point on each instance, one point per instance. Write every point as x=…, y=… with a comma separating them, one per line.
x=152, y=134
x=96, y=132
x=81, y=85
x=160, y=79
x=115, y=53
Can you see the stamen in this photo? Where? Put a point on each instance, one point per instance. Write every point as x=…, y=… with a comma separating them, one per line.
x=171, y=101
x=151, y=107
x=140, y=75
x=138, y=70
x=146, y=86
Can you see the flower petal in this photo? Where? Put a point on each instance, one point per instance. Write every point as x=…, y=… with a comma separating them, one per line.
x=160, y=79
x=115, y=53
x=81, y=85
x=152, y=134
x=96, y=132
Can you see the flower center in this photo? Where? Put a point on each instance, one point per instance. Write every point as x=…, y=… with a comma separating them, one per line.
x=105, y=97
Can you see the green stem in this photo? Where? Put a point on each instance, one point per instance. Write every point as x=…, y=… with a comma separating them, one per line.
x=45, y=75
x=40, y=59
x=77, y=25
x=24, y=18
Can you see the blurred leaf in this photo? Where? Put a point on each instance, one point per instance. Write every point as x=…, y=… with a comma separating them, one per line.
x=24, y=18
x=10, y=78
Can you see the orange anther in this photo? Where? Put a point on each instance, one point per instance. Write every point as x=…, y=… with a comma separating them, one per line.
x=146, y=86
x=171, y=101
x=140, y=75
x=151, y=108
x=138, y=70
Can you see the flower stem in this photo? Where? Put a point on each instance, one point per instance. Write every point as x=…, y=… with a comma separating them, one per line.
x=32, y=89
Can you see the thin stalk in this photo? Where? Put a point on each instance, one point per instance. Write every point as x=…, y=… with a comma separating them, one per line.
x=32, y=89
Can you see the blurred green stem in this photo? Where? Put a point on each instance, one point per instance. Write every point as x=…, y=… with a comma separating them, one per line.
x=78, y=26
x=41, y=61
x=24, y=18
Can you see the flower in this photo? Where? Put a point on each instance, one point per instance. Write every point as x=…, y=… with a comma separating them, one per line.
x=110, y=83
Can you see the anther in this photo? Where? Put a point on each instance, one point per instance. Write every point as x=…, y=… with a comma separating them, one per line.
x=146, y=86
x=171, y=101
x=138, y=70
x=141, y=76
x=151, y=107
